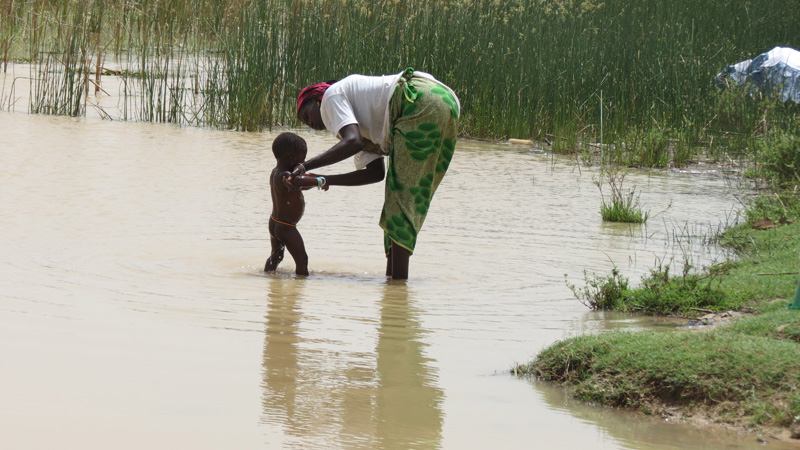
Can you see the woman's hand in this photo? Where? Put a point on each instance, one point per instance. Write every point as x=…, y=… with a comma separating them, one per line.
x=298, y=170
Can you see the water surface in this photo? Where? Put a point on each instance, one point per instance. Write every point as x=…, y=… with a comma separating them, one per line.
x=134, y=313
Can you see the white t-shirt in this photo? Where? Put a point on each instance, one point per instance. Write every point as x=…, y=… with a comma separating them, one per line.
x=363, y=100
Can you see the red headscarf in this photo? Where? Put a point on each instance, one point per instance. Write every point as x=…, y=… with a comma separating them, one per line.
x=314, y=91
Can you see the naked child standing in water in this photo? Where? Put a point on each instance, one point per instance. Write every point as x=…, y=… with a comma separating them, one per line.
x=288, y=203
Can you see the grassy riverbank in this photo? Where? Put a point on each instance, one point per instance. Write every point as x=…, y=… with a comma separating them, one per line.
x=745, y=374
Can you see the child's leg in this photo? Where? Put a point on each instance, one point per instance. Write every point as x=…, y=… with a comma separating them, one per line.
x=276, y=256
x=294, y=243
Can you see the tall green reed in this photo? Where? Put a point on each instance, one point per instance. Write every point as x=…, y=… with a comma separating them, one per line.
x=9, y=12
x=522, y=68
x=60, y=70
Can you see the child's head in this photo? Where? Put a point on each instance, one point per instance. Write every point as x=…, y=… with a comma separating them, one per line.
x=289, y=147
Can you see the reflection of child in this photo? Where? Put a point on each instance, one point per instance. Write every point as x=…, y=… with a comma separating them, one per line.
x=288, y=203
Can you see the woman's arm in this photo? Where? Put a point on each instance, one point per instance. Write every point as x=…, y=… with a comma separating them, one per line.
x=305, y=181
x=350, y=144
x=373, y=173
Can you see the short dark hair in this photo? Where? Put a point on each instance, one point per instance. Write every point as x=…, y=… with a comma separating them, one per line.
x=288, y=144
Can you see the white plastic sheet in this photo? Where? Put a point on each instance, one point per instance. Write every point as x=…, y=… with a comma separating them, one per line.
x=776, y=70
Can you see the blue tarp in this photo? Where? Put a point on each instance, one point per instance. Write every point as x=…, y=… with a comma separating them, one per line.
x=776, y=70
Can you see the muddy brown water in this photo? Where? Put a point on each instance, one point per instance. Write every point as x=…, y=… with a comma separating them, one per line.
x=134, y=313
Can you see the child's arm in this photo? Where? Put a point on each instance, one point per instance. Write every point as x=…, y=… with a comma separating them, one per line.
x=309, y=180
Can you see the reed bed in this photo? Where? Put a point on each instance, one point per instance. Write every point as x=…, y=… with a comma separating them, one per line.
x=526, y=69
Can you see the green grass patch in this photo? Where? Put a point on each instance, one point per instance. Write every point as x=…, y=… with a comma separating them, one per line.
x=767, y=267
x=768, y=263
x=779, y=154
x=659, y=293
x=774, y=322
x=625, y=209
x=740, y=377
x=622, y=205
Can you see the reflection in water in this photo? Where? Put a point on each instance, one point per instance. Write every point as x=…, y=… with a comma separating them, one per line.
x=385, y=398
x=635, y=430
x=280, y=355
x=408, y=401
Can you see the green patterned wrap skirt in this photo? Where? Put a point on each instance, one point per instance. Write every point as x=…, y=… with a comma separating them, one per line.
x=424, y=118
